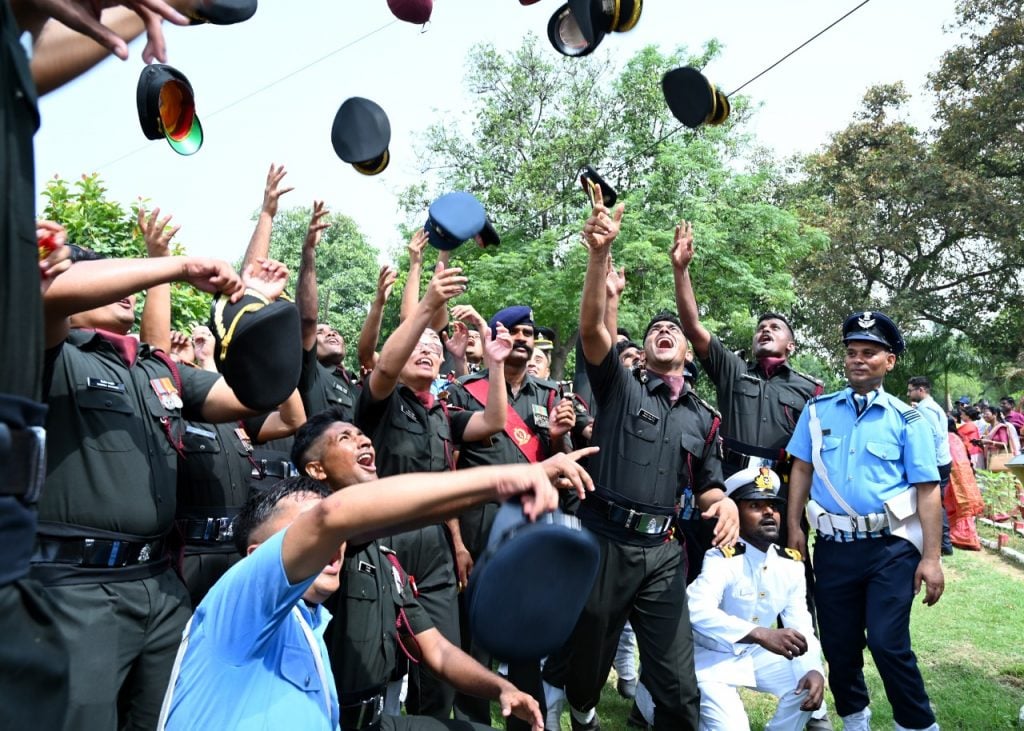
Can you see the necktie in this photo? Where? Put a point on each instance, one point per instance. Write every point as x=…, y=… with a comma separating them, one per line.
x=861, y=402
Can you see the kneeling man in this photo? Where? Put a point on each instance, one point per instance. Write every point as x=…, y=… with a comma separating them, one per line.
x=733, y=603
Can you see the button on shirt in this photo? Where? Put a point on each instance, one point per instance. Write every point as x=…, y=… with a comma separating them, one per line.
x=869, y=457
x=249, y=664
x=732, y=597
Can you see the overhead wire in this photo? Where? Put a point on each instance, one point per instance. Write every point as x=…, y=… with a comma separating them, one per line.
x=521, y=226
x=268, y=85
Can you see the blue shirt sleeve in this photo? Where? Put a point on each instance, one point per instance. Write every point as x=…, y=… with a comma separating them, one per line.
x=244, y=609
x=919, y=458
x=800, y=442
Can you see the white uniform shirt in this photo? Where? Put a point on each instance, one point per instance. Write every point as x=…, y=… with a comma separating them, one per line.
x=734, y=595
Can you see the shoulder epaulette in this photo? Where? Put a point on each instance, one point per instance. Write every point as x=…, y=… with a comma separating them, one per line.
x=546, y=383
x=471, y=377
x=385, y=549
x=737, y=549
x=791, y=553
x=824, y=397
x=908, y=412
x=711, y=409
x=808, y=377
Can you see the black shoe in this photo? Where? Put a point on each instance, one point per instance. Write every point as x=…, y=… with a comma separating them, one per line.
x=594, y=725
x=636, y=719
x=947, y=550
x=626, y=688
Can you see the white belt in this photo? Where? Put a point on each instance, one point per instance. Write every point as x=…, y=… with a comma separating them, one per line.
x=830, y=523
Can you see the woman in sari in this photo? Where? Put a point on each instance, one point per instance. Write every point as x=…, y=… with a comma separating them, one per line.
x=968, y=431
x=1001, y=437
x=963, y=498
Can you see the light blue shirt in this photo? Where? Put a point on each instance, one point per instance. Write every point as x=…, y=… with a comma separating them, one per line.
x=871, y=457
x=249, y=664
x=940, y=424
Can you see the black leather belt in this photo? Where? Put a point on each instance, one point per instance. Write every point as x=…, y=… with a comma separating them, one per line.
x=22, y=461
x=97, y=552
x=362, y=714
x=648, y=524
x=209, y=530
x=279, y=468
x=742, y=455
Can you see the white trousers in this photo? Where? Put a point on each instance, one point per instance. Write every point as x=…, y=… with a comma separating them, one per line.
x=721, y=708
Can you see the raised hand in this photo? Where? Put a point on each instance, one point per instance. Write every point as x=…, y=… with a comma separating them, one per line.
x=682, y=245
x=156, y=232
x=603, y=225
x=212, y=275
x=273, y=190
x=54, y=254
x=266, y=276
x=316, y=225
x=615, y=281
x=416, y=246
x=496, y=350
x=182, y=349
x=444, y=285
x=385, y=283
x=562, y=419
x=565, y=472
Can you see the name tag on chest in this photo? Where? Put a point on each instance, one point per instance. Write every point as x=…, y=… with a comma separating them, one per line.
x=648, y=416
x=104, y=385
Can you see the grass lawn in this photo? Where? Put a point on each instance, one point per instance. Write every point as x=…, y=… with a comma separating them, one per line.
x=970, y=648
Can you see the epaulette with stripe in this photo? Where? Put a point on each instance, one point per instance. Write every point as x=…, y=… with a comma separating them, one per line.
x=908, y=412
x=790, y=553
x=737, y=549
x=705, y=404
x=808, y=377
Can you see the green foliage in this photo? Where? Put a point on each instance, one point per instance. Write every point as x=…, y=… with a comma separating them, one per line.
x=95, y=222
x=346, y=268
x=538, y=121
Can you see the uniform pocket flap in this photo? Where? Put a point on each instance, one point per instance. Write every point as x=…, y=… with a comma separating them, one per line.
x=902, y=506
x=298, y=668
x=884, y=450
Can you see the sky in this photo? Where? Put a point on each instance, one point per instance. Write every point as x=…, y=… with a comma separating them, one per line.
x=267, y=91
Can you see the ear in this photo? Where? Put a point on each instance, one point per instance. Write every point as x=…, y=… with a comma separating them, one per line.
x=790, y=348
x=316, y=470
x=251, y=548
x=890, y=362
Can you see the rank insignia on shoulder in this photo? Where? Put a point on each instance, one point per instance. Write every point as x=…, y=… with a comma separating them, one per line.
x=790, y=553
x=737, y=549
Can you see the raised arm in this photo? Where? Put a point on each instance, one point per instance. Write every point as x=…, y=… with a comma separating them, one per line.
x=686, y=302
x=411, y=291
x=615, y=284
x=445, y=284
x=306, y=295
x=370, y=333
x=490, y=421
x=259, y=243
x=397, y=504
x=72, y=36
x=599, y=232
x=155, y=328
x=90, y=284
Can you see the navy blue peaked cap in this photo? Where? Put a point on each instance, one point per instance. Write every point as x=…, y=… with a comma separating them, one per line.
x=528, y=588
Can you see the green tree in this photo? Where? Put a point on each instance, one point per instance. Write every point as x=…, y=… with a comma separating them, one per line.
x=346, y=268
x=907, y=229
x=537, y=121
x=95, y=222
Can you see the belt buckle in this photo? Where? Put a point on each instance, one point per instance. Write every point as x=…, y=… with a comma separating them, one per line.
x=225, y=529
x=655, y=524
x=759, y=462
x=629, y=519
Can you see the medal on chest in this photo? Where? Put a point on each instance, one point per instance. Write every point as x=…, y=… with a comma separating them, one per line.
x=167, y=392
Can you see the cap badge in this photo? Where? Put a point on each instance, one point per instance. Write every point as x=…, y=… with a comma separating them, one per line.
x=866, y=321
x=763, y=482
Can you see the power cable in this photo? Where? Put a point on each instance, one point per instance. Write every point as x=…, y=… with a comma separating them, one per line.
x=263, y=88
x=654, y=145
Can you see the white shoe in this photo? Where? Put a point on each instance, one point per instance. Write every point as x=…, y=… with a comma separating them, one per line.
x=859, y=721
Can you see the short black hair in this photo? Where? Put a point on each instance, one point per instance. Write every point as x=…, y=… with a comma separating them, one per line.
x=625, y=345
x=776, y=316
x=311, y=431
x=921, y=382
x=262, y=505
x=662, y=316
x=623, y=332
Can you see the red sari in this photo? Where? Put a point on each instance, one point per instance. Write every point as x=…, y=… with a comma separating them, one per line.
x=963, y=498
